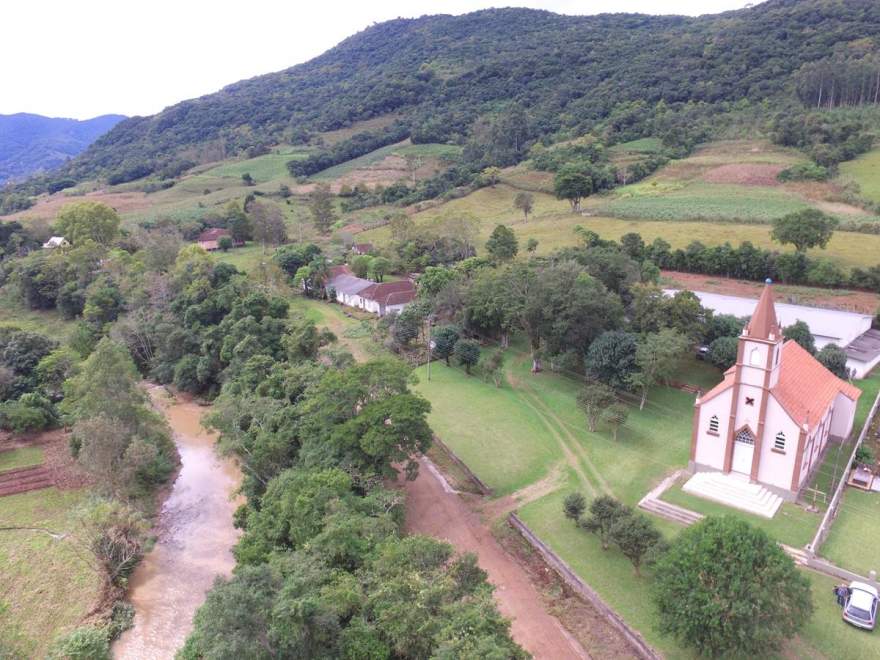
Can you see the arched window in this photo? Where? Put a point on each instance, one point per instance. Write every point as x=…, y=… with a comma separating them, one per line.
x=713, y=424
x=779, y=441
x=745, y=436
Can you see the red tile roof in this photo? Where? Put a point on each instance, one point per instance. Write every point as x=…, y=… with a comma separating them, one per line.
x=391, y=293
x=806, y=388
x=213, y=234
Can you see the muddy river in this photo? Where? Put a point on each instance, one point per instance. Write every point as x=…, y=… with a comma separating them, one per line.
x=195, y=540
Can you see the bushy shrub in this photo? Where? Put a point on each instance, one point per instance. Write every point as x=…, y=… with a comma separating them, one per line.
x=84, y=643
x=807, y=171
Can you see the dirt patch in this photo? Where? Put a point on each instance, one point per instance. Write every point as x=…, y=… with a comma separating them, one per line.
x=840, y=208
x=845, y=300
x=745, y=174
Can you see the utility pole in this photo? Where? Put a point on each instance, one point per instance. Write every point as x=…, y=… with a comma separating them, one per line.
x=431, y=344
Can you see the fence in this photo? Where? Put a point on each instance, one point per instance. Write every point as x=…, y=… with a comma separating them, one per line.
x=639, y=646
x=831, y=513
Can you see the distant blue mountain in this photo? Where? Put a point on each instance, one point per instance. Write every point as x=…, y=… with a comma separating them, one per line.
x=32, y=143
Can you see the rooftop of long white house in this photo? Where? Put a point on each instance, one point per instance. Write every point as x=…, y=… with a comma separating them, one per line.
x=849, y=330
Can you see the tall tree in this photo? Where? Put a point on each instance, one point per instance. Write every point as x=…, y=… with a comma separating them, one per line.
x=321, y=207
x=268, y=224
x=573, y=182
x=593, y=400
x=502, y=244
x=799, y=332
x=612, y=358
x=524, y=201
x=88, y=221
x=657, y=357
x=833, y=358
x=726, y=588
x=804, y=229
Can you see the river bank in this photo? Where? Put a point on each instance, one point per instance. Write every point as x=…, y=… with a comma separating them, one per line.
x=195, y=538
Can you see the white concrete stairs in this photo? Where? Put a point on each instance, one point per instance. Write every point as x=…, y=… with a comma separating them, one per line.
x=734, y=490
x=671, y=511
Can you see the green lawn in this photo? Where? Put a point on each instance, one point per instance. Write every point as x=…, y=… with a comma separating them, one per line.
x=268, y=167
x=865, y=171
x=648, y=145
x=18, y=458
x=502, y=440
x=854, y=538
x=46, y=586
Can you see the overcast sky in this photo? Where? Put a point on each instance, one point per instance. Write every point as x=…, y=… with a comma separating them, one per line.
x=81, y=58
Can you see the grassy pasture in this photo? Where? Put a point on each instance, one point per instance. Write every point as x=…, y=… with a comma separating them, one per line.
x=47, y=587
x=268, y=167
x=19, y=458
x=865, y=171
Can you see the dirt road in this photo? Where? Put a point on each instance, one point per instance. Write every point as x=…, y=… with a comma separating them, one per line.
x=435, y=510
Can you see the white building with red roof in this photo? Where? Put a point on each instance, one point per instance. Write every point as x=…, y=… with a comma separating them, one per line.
x=773, y=416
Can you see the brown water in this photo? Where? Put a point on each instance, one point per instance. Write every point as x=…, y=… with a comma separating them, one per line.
x=195, y=540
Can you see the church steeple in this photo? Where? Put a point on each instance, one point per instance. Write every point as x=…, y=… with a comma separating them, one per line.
x=764, y=324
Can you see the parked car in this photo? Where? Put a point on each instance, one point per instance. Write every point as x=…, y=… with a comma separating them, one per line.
x=860, y=608
x=702, y=353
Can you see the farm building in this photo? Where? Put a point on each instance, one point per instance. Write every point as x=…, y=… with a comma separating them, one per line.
x=849, y=330
x=362, y=248
x=56, y=242
x=760, y=433
x=210, y=239
x=378, y=298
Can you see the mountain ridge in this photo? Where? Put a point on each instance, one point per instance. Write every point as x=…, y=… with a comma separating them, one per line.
x=30, y=143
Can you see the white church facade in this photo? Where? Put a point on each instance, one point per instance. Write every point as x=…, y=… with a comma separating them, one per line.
x=774, y=413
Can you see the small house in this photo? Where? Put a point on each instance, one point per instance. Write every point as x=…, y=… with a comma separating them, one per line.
x=56, y=242
x=209, y=239
x=362, y=248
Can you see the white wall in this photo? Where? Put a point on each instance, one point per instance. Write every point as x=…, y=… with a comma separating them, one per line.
x=710, y=448
x=843, y=417
x=774, y=468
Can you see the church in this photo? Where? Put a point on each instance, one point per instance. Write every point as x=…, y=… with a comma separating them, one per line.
x=772, y=417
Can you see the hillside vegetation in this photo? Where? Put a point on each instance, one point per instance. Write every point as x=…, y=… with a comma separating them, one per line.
x=439, y=75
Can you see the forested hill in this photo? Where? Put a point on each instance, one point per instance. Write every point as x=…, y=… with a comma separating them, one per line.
x=439, y=74
x=32, y=143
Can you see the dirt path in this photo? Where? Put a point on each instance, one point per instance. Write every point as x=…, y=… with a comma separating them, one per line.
x=435, y=511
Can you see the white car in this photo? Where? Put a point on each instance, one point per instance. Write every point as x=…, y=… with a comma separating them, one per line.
x=860, y=608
